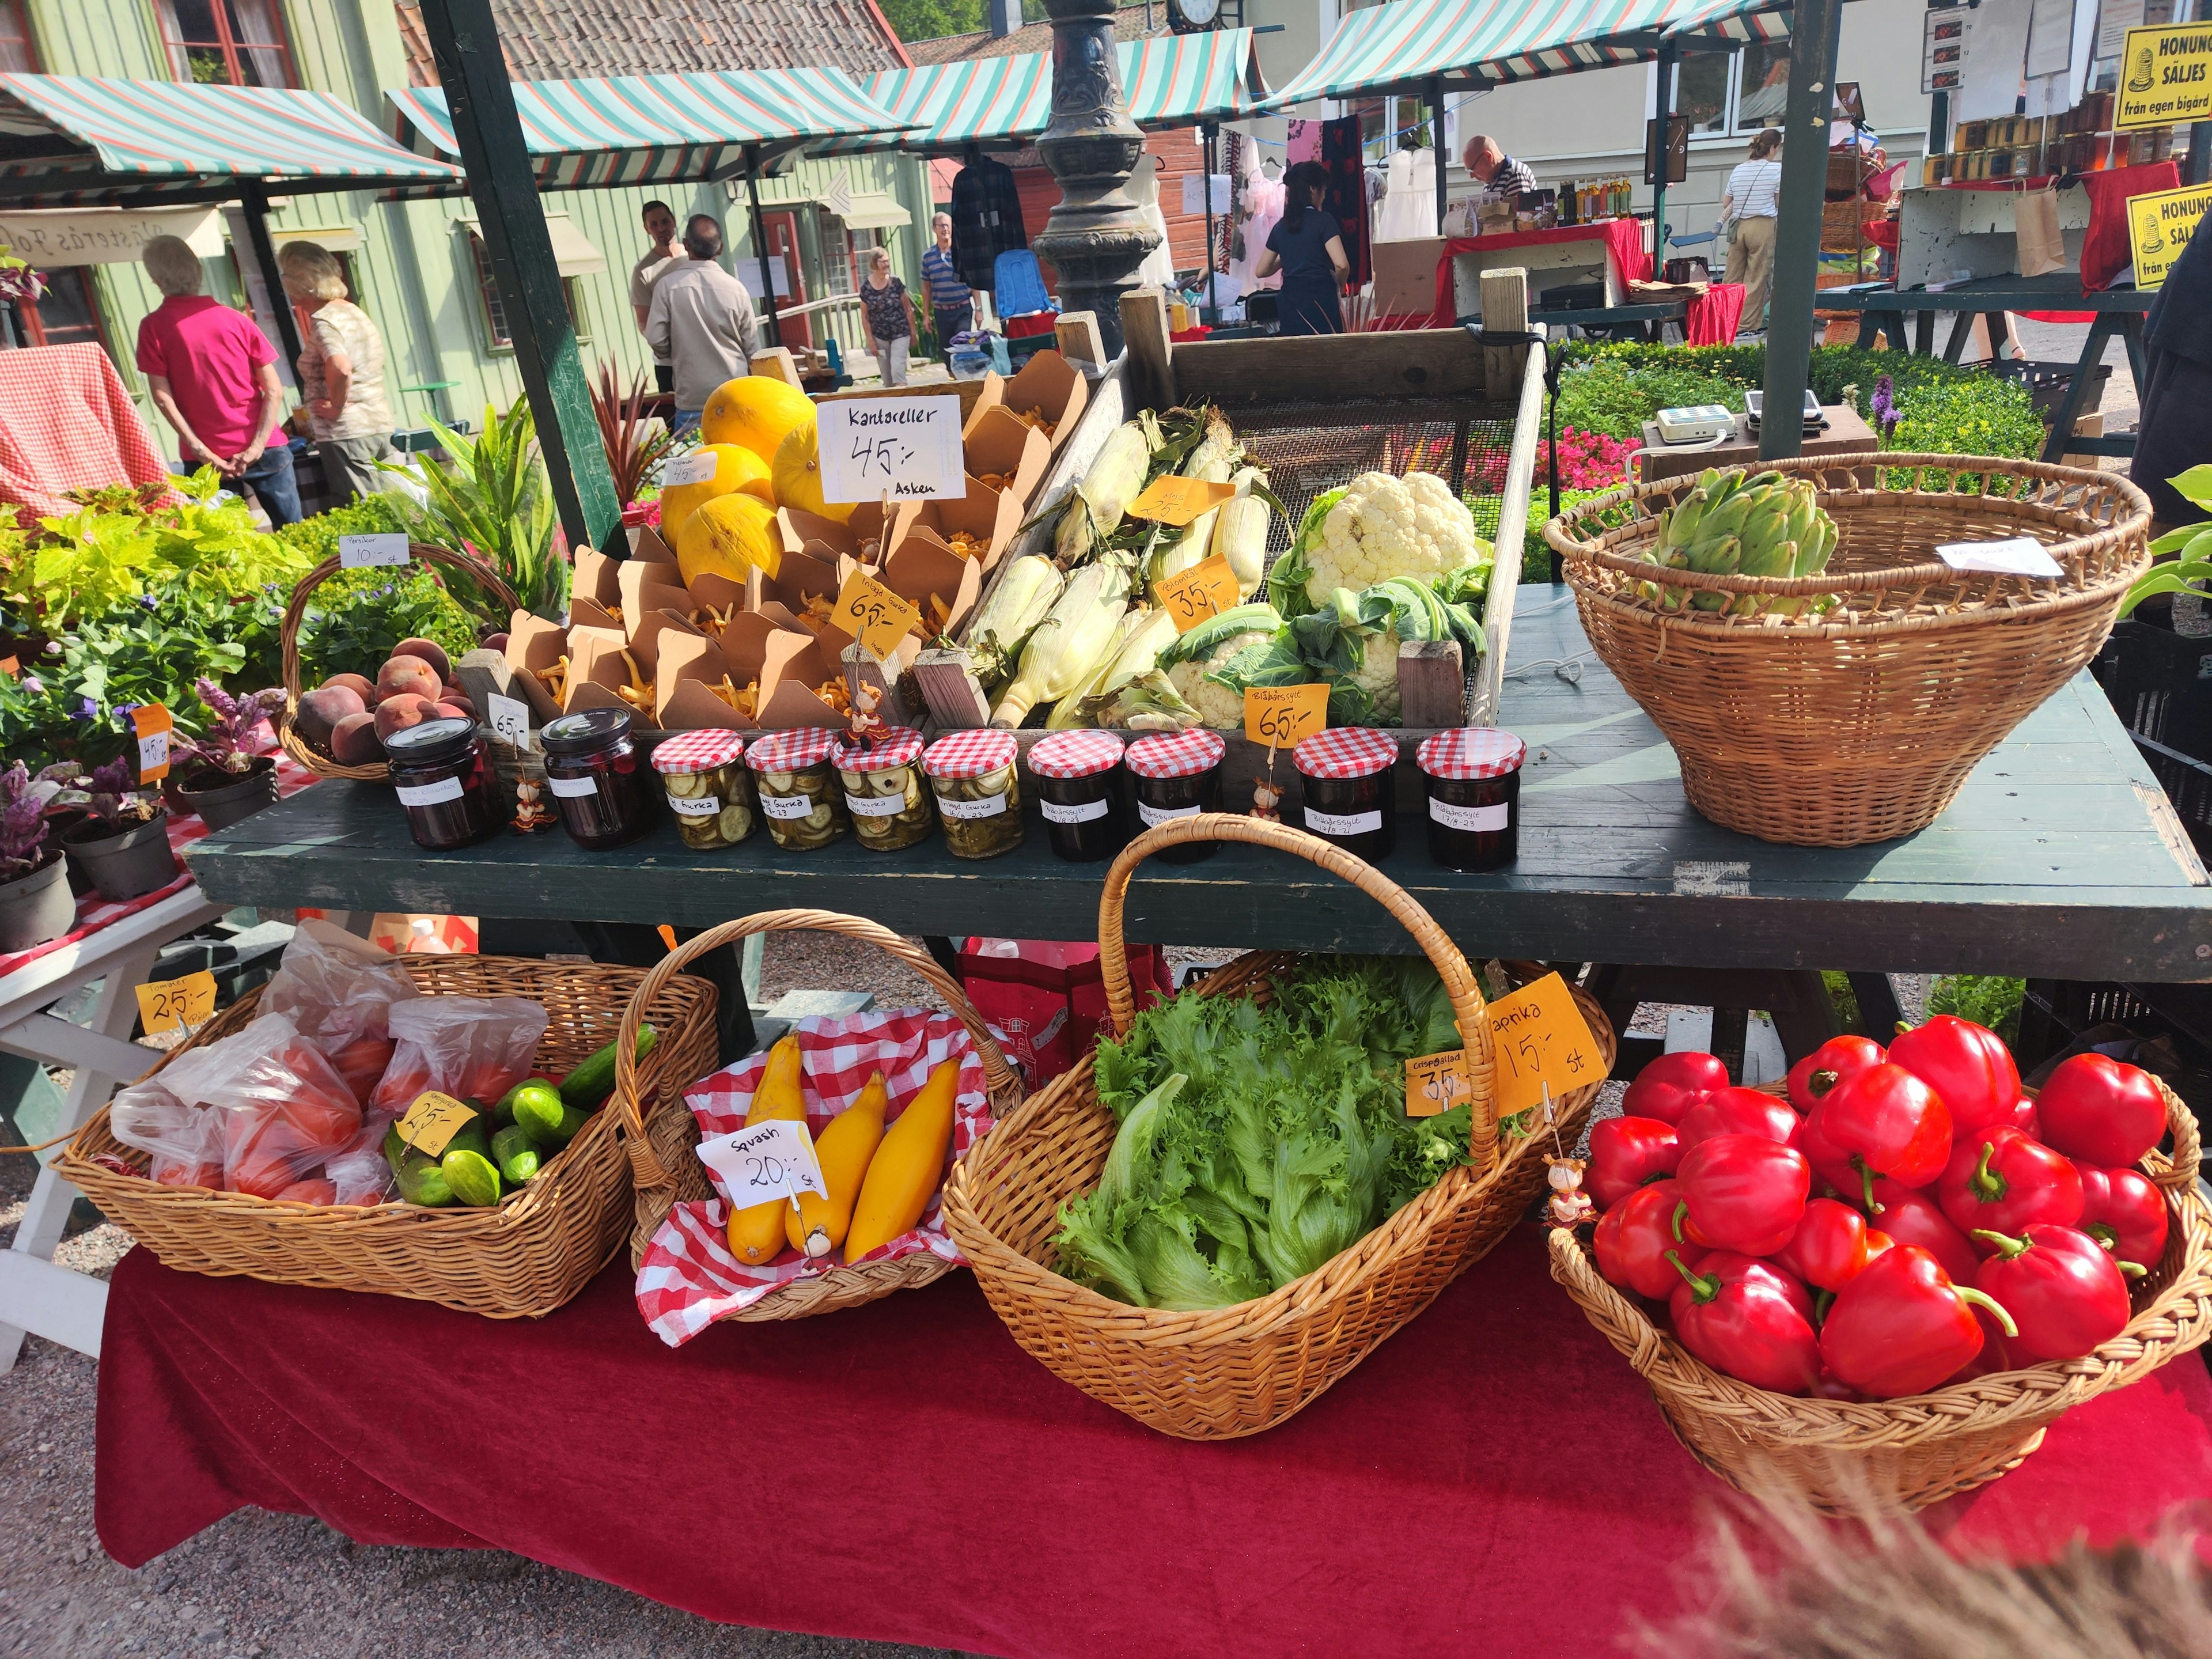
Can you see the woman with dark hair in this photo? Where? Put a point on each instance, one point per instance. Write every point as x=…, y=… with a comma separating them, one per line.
x=1306, y=247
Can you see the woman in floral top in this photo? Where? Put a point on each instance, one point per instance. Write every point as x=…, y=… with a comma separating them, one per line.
x=888, y=310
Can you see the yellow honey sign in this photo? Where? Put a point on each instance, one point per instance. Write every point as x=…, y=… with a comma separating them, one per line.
x=2165, y=77
x=2160, y=226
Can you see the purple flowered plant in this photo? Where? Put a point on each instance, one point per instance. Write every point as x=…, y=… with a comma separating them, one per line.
x=1884, y=405
x=22, y=823
x=112, y=793
x=234, y=719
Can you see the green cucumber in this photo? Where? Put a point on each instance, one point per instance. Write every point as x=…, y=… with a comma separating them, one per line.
x=594, y=1079
x=542, y=1126
x=471, y=1177
x=516, y=1154
x=423, y=1179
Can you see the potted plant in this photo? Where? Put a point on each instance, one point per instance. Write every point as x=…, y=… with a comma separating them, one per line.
x=36, y=904
x=215, y=778
x=125, y=842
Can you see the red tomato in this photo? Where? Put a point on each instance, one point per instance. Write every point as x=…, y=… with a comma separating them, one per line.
x=360, y=1063
x=170, y=1172
x=310, y=1192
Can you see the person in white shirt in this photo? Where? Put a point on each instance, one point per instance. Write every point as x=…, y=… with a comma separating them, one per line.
x=665, y=253
x=1750, y=200
x=702, y=321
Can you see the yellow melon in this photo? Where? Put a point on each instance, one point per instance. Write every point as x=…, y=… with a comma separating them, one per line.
x=756, y=411
x=736, y=468
x=728, y=536
x=797, y=478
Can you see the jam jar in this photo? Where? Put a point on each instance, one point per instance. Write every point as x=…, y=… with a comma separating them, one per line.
x=1351, y=793
x=799, y=793
x=1176, y=774
x=1076, y=774
x=1473, y=778
x=443, y=774
x=709, y=788
x=884, y=790
x=978, y=795
x=593, y=774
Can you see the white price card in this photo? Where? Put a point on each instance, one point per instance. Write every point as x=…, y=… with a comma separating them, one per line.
x=907, y=448
x=2023, y=556
x=696, y=468
x=510, y=720
x=384, y=547
x=764, y=1162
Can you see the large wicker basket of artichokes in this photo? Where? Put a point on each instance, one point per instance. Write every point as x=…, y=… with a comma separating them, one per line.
x=1826, y=676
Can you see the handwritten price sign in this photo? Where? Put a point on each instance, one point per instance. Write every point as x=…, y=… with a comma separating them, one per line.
x=177, y=1004
x=1206, y=589
x=1437, y=1083
x=151, y=725
x=907, y=448
x=764, y=1161
x=1542, y=1039
x=873, y=615
x=1280, y=715
x=1175, y=500
x=433, y=1120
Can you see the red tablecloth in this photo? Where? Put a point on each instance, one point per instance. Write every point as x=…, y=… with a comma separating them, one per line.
x=1492, y=1479
x=1713, y=318
x=67, y=423
x=1623, y=238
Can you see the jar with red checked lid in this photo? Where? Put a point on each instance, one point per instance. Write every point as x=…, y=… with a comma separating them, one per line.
x=1075, y=774
x=799, y=793
x=978, y=795
x=1177, y=775
x=1351, y=801
x=709, y=788
x=883, y=791
x=1472, y=775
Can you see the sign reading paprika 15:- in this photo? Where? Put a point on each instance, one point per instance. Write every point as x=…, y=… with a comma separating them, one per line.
x=2166, y=76
x=2160, y=226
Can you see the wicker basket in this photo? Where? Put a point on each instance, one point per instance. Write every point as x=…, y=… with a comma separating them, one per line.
x=1862, y=723
x=663, y=1158
x=1907, y=1454
x=313, y=759
x=1228, y=1371
x=522, y=1257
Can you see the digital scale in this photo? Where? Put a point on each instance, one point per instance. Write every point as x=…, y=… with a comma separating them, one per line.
x=1697, y=423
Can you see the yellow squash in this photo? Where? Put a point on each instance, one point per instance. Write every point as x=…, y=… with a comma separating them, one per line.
x=736, y=468
x=907, y=1166
x=757, y=410
x=756, y=1232
x=727, y=535
x=817, y=1226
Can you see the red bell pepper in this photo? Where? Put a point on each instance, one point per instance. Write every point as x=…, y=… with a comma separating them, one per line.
x=1902, y=1327
x=1882, y=1122
x=1878, y=1241
x=1625, y=1152
x=2124, y=1212
x=1749, y=1319
x=1829, y=1248
x=2101, y=1111
x=1993, y=1357
x=2000, y=1180
x=2066, y=1294
x=1632, y=1238
x=1735, y=1111
x=1671, y=1084
x=1838, y=1058
x=1911, y=1218
x=1742, y=1193
x=1969, y=1067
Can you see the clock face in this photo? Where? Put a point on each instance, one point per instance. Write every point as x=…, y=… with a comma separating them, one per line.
x=1197, y=13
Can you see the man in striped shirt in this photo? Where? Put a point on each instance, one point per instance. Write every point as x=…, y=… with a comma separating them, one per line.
x=1503, y=178
x=952, y=306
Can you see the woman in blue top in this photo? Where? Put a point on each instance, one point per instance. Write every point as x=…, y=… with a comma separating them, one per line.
x=1306, y=247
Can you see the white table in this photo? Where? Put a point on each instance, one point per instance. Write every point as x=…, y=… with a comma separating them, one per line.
x=35, y=1295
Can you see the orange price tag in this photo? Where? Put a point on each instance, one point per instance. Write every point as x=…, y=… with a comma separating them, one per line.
x=1175, y=500
x=1206, y=589
x=433, y=1120
x=1540, y=1038
x=1437, y=1083
x=152, y=724
x=176, y=1004
x=873, y=615
x=1280, y=715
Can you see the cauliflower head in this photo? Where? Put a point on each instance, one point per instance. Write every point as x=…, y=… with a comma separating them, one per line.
x=1385, y=527
x=1218, y=706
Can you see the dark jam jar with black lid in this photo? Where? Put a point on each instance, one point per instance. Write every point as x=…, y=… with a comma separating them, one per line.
x=1076, y=772
x=1175, y=775
x=444, y=778
x=1350, y=798
x=597, y=781
x=1472, y=775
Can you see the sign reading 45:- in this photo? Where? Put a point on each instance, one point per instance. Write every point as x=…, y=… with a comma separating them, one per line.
x=907, y=448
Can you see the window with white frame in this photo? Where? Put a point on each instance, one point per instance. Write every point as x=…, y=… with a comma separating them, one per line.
x=498, y=335
x=845, y=255
x=1734, y=94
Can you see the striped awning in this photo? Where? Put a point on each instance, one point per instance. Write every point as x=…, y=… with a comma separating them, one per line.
x=1167, y=81
x=654, y=129
x=1407, y=45
x=68, y=140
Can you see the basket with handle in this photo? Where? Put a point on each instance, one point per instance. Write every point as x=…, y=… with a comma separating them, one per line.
x=524, y=1256
x=664, y=1167
x=1859, y=723
x=1223, y=1372
x=289, y=640
x=1845, y=1456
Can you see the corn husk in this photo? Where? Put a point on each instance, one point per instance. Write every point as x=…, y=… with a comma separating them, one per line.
x=1094, y=510
x=1022, y=598
x=1210, y=462
x=1149, y=702
x=1240, y=531
x=1145, y=634
x=1066, y=647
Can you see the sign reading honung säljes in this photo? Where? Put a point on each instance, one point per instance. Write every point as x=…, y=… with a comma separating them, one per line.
x=2160, y=226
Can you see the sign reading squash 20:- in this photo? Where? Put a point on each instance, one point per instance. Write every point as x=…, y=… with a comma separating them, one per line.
x=2166, y=76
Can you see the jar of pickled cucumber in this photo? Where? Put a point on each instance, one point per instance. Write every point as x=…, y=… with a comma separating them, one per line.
x=883, y=791
x=977, y=795
x=709, y=790
x=800, y=795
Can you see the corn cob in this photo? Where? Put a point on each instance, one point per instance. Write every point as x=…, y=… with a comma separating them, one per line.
x=1018, y=601
x=1240, y=533
x=1094, y=509
x=1065, y=648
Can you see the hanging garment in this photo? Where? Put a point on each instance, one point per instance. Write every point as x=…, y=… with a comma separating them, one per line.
x=1346, y=200
x=1409, y=207
x=1262, y=204
x=1159, y=270
x=986, y=219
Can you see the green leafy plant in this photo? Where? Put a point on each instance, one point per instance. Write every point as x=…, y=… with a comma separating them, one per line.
x=492, y=499
x=367, y=515
x=1535, y=552
x=2192, y=542
x=1975, y=416
x=1991, y=1001
x=354, y=619
x=1615, y=398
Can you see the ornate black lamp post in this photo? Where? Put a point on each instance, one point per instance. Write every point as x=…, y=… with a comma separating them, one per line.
x=1095, y=238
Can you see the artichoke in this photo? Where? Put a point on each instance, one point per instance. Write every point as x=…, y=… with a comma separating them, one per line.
x=1766, y=526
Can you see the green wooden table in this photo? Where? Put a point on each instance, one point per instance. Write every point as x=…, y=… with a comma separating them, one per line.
x=2060, y=860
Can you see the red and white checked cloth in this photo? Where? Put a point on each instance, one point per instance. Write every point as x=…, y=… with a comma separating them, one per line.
x=688, y=1279
x=67, y=423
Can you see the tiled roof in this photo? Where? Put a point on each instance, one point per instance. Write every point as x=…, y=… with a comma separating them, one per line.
x=566, y=39
x=1130, y=23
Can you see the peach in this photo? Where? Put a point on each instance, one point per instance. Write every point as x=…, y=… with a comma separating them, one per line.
x=455, y=702
x=321, y=710
x=401, y=710
x=360, y=684
x=495, y=641
x=355, y=742
x=430, y=652
x=403, y=675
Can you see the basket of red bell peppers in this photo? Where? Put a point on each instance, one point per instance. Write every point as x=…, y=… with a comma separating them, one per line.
x=1878, y=1282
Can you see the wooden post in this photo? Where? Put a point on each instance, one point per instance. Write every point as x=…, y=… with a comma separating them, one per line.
x=503, y=187
x=954, y=700
x=1152, y=353
x=1814, y=29
x=1431, y=683
x=861, y=668
x=1504, y=300
x=1076, y=333
x=256, y=203
x=760, y=249
x=1662, y=131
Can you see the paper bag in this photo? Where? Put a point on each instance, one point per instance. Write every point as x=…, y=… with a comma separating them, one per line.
x=2035, y=219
